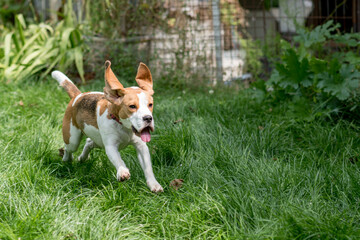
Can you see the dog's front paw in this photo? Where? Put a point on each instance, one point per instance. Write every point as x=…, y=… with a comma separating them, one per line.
x=154, y=186
x=82, y=158
x=123, y=174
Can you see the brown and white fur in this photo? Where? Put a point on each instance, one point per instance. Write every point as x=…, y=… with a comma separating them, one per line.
x=112, y=119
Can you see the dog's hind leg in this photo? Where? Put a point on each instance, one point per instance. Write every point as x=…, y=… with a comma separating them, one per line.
x=72, y=136
x=87, y=148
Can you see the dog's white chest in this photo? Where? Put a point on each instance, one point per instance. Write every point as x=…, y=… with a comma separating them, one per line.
x=109, y=131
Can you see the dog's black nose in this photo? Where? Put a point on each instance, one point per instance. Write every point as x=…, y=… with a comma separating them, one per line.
x=147, y=118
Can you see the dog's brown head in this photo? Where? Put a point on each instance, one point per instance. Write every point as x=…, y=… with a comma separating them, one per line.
x=133, y=105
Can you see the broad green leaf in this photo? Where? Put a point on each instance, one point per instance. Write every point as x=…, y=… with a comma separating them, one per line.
x=45, y=28
x=16, y=42
x=79, y=62
x=67, y=60
x=7, y=48
x=316, y=36
x=340, y=83
x=9, y=72
x=29, y=70
x=20, y=25
x=274, y=78
x=75, y=38
x=69, y=13
x=31, y=57
x=294, y=72
x=350, y=57
x=317, y=65
x=348, y=39
x=25, y=47
x=65, y=38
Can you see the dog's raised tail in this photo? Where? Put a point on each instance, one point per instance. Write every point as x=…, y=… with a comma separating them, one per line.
x=66, y=83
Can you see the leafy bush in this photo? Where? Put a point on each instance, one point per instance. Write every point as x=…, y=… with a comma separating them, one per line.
x=318, y=71
x=33, y=49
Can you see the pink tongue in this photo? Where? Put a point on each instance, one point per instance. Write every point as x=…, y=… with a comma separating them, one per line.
x=145, y=135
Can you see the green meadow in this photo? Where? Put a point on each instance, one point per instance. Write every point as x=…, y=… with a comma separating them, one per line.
x=250, y=171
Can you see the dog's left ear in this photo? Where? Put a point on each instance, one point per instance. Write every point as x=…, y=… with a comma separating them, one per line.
x=113, y=90
x=144, y=79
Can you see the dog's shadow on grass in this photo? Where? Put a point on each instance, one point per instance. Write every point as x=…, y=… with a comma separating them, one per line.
x=95, y=171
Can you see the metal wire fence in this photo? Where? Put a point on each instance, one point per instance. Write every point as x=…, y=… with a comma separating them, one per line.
x=223, y=39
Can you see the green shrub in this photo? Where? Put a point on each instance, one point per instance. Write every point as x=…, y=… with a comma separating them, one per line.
x=30, y=50
x=313, y=69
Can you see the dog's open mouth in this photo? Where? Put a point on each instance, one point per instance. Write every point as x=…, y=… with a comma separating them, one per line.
x=144, y=133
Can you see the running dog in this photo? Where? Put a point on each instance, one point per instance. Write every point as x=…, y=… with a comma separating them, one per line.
x=112, y=119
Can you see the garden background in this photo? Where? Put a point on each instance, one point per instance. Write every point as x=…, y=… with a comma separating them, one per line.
x=256, y=109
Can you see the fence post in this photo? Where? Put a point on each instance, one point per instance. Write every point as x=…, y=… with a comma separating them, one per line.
x=217, y=37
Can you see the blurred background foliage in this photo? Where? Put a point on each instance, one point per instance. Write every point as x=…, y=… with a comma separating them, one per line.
x=31, y=49
x=123, y=18
x=318, y=68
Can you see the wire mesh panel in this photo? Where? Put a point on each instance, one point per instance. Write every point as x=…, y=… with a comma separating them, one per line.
x=187, y=42
x=185, y=35
x=345, y=12
x=247, y=26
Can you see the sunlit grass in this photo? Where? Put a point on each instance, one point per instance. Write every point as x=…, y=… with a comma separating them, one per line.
x=249, y=172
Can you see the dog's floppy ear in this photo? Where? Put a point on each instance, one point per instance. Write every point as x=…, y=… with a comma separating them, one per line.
x=114, y=90
x=144, y=79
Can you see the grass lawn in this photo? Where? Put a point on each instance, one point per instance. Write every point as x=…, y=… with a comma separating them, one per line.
x=250, y=172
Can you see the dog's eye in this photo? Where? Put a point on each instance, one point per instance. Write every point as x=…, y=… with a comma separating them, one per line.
x=150, y=105
x=132, y=106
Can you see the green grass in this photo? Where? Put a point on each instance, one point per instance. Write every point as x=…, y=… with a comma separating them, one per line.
x=249, y=173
